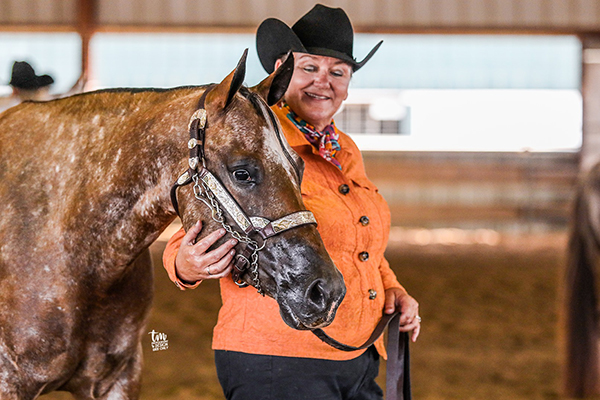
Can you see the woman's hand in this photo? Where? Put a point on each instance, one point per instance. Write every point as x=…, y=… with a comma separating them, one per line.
x=398, y=299
x=194, y=263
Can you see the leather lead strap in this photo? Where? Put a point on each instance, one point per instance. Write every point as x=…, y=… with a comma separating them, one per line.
x=398, y=363
x=397, y=379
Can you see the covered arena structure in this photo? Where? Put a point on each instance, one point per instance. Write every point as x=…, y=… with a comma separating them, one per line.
x=479, y=235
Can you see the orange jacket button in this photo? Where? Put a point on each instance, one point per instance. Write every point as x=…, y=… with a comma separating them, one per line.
x=364, y=220
x=363, y=256
x=372, y=294
x=344, y=189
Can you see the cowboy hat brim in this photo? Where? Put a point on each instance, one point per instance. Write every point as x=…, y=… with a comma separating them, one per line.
x=31, y=84
x=274, y=39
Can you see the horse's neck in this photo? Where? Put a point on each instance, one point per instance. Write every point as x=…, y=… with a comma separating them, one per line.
x=129, y=190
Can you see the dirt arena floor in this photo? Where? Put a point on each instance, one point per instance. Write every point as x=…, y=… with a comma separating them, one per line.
x=490, y=317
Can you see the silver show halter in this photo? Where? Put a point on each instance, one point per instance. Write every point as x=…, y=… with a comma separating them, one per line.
x=211, y=192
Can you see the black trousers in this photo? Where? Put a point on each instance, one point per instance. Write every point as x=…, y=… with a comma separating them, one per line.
x=259, y=377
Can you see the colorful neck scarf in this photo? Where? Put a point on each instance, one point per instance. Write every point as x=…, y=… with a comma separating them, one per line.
x=326, y=142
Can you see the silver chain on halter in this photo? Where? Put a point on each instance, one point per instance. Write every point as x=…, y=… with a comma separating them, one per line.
x=205, y=195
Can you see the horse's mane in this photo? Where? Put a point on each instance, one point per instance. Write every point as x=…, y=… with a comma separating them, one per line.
x=131, y=90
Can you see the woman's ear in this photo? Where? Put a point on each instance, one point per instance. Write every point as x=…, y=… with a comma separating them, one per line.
x=278, y=62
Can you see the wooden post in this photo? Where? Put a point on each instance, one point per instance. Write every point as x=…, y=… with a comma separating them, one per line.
x=590, y=149
x=579, y=328
x=86, y=26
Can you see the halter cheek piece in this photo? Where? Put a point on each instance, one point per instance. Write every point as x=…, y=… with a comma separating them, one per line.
x=211, y=192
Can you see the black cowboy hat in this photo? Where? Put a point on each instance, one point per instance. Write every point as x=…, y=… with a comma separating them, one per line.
x=322, y=31
x=24, y=77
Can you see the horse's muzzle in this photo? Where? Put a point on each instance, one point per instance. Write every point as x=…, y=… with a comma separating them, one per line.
x=314, y=307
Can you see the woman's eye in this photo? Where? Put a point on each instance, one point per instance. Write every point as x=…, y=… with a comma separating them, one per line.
x=309, y=68
x=242, y=175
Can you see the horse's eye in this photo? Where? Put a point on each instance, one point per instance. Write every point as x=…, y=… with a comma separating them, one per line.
x=242, y=175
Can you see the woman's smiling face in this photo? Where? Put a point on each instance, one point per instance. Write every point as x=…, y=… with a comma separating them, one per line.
x=318, y=87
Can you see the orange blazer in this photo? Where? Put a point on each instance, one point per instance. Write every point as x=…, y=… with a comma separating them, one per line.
x=352, y=223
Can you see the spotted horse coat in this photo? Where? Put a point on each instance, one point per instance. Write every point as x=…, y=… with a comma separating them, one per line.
x=84, y=190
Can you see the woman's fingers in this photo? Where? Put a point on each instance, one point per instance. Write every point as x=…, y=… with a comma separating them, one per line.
x=416, y=333
x=192, y=234
x=397, y=299
x=221, y=268
x=413, y=326
x=213, y=256
x=204, y=244
x=195, y=262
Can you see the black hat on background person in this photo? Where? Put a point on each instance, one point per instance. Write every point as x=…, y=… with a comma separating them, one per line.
x=322, y=31
x=24, y=77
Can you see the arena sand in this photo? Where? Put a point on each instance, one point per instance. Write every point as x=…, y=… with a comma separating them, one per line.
x=490, y=323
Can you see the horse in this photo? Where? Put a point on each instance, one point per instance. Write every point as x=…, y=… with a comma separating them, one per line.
x=580, y=318
x=86, y=184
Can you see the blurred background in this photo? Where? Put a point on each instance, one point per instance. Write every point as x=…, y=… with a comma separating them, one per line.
x=475, y=119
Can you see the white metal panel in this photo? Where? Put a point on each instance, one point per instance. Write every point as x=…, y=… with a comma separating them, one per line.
x=235, y=13
x=47, y=8
x=68, y=11
x=179, y=10
x=421, y=13
x=155, y=13
x=478, y=13
x=528, y=13
x=389, y=12
x=449, y=13
x=503, y=13
x=260, y=10
x=365, y=14
x=366, y=11
x=113, y=12
x=51, y=12
x=396, y=14
x=587, y=13
x=288, y=12
x=201, y=13
x=5, y=11
x=559, y=13
x=23, y=11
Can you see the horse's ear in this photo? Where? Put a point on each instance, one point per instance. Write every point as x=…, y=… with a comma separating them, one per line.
x=222, y=94
x=273, y=87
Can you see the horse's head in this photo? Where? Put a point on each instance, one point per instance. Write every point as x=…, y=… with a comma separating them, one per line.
x=249, y=173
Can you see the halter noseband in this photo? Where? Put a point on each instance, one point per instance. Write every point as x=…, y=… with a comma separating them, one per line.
x=211, y=192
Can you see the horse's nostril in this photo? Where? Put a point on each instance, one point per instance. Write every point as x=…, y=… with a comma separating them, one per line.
x=316, y=295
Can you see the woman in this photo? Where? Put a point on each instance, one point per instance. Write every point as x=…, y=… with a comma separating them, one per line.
x=257, y=355
x=26, y=85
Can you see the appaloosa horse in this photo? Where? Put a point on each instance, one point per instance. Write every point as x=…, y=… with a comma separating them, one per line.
x=581, y=323
x=85, y=189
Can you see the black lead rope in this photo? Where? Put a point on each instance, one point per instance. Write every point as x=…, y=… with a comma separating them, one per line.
x=398, y=363
x=397, y=380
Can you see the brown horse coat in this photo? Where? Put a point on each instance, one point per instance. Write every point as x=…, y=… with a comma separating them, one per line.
x=84, y=191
